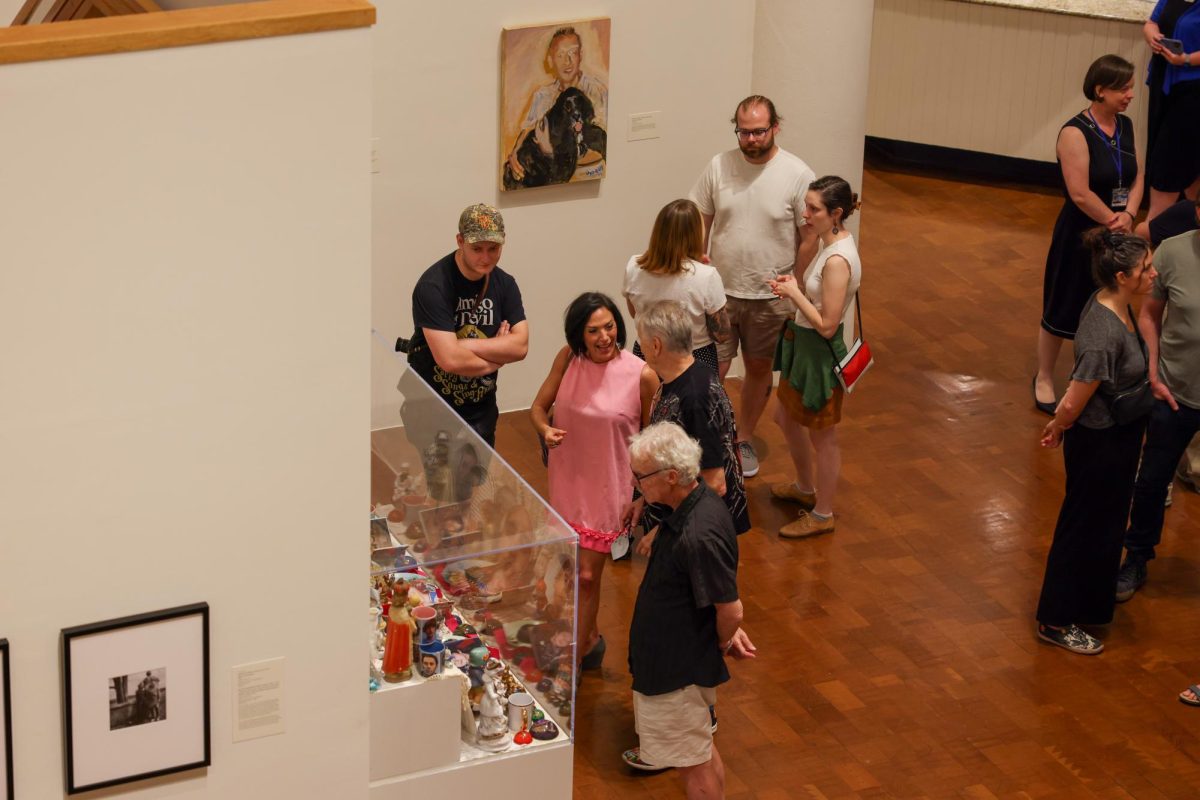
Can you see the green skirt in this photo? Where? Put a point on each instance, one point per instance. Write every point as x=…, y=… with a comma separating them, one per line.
x=804, y=361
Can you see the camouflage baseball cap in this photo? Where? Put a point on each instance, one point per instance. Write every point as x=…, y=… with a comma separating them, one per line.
x=481, y=223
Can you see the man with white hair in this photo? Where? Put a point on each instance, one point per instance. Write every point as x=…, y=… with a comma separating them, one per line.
x=687, y=617
x=692, y=397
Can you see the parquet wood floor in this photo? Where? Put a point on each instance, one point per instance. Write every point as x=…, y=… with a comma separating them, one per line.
x=897, y=655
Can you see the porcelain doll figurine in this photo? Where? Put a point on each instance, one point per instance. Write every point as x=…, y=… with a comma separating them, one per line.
x=492, y=732
x=374, y=644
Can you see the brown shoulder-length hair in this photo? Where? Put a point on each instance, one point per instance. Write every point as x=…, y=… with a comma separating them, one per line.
x=678, y=235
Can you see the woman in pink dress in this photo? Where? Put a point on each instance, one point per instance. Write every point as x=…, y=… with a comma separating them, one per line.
x=599, y=395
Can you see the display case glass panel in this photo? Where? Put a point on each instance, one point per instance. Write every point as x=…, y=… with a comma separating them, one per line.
x=482, y=573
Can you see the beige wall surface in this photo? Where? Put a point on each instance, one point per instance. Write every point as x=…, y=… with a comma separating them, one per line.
x=990, y=79
x=185, y=406
x=436, y=116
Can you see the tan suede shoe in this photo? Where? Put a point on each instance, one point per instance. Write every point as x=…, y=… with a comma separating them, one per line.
x=806, y=525
x=788, y=491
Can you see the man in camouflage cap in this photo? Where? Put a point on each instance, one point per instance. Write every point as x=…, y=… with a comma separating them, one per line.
x=469, y=321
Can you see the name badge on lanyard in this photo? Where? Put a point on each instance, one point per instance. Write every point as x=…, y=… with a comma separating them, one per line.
x=1120, y=198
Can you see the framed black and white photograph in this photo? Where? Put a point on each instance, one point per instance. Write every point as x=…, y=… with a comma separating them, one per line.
x=136, y=697
x=6, y=745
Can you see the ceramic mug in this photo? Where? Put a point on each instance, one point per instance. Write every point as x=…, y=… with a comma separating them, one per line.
x=431, y=660
x=518, y=702
x=426, y=619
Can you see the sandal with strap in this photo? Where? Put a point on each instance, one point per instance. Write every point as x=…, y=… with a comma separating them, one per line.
x=1195, y=698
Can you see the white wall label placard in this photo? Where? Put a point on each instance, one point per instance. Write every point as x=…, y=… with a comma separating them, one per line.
x=257, y=699
x=643, y=125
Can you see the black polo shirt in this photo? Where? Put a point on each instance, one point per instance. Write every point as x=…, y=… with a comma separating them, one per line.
x=693, y=564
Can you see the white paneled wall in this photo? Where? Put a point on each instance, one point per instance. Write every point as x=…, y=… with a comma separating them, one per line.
x=986, y=78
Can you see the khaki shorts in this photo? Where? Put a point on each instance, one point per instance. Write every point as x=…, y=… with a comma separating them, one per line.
x=675, y=729
x=755, y=325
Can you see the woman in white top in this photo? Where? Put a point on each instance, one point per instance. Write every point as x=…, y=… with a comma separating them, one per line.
x=810, y=398
x=673, y=268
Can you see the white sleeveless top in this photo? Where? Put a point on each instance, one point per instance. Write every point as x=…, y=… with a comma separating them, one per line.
x=811, y=281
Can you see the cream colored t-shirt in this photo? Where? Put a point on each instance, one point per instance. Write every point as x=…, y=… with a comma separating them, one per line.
x=698, y=288
x=814, y=276
x=756, y=209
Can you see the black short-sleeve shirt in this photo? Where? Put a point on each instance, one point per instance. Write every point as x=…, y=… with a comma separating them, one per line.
x=1174, y=220
x=673, y=637
x=696, y=402
x=444, y=300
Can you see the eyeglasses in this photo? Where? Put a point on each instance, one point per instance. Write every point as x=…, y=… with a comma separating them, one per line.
x=751, y=133
x=639, y=478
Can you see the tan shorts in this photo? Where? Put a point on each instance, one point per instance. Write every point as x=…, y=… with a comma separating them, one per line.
x=755, y=325
x=675, y=729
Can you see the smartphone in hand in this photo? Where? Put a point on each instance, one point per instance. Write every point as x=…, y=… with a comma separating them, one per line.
x=1174, y=45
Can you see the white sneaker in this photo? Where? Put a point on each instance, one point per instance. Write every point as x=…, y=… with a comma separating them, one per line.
x=749, y=459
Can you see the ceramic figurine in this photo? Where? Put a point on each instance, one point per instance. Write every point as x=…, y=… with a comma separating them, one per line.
x=523, y=736
x=398, y=648
x=492, y=732
x=374, y=645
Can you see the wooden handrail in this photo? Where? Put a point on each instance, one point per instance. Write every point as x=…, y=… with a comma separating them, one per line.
x=153, y=31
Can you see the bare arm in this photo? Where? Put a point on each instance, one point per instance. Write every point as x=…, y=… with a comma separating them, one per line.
x=632, y=310
x=450, y=354
x=834, y=284
x=649, y=388
x=715, y=479
x=503, y=348
x=1135, y=196
x=1073, y=155
x=1152, y=34
x=732, y=640
x=1069, y=409
x=718, y=325
x=1149, y=322
x=539, y=412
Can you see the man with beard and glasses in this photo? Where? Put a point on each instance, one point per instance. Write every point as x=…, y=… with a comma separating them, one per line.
x=752, y=201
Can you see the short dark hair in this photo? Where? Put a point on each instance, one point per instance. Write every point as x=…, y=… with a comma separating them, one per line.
x=835, y=193
x=580, y=311
x=1107, y=72
x=1113, y=254
x=757, y=100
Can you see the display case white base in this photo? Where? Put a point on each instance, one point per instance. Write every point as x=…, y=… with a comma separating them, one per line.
x=543, y=772
x=415, y=725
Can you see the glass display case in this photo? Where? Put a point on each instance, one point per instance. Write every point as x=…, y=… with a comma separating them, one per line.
x=471, y=626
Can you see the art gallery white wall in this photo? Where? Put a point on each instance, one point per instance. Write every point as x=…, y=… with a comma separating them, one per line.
x=185, y=405
x=436, y=100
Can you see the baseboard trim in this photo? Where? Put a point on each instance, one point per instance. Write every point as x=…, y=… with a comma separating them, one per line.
x=894, y=154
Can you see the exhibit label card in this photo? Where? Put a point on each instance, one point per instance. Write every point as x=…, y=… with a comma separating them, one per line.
x=257, y=699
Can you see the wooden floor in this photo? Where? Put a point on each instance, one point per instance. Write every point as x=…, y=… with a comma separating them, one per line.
x=898, y=656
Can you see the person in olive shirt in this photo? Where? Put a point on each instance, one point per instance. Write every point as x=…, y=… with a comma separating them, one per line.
x=469, y=321
x=1170, y=323
x=687, y=617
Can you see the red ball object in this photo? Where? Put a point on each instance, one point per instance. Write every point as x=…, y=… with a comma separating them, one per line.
x=522, y=737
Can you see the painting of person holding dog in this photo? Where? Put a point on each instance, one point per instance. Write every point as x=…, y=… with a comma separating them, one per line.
x=558, y=134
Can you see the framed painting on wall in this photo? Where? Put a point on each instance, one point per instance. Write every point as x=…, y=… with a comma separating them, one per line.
x=136, y=697
x=554, y=103
x=6, y=746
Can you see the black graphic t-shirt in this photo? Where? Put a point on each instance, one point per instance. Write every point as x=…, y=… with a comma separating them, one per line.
x=696, y=402
x=444, y=300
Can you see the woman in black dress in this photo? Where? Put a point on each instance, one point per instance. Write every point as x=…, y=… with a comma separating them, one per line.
x=1100, y=453
x=1102, y=180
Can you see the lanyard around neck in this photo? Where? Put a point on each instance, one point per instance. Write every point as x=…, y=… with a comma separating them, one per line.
x=1113, y=143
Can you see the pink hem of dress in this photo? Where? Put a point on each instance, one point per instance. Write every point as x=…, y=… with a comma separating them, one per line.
x=594, y=540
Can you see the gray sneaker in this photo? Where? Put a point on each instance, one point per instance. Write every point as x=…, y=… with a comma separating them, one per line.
x=1131, y=578
x=749, y=459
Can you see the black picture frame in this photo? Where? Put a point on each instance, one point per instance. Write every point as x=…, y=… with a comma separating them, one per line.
x=136, y=737
x=6, y=724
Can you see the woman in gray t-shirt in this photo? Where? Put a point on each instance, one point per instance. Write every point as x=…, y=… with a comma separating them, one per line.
x=1100, y=455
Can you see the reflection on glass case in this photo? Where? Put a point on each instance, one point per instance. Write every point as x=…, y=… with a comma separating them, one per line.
x=472, y=595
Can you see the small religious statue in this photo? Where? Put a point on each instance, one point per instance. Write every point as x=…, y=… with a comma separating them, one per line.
x=492, y=732
x=397, y=650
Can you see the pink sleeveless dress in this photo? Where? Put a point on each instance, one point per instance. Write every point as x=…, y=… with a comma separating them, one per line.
x=600, y=407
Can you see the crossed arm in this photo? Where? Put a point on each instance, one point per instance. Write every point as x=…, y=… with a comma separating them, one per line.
x=475, y=357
